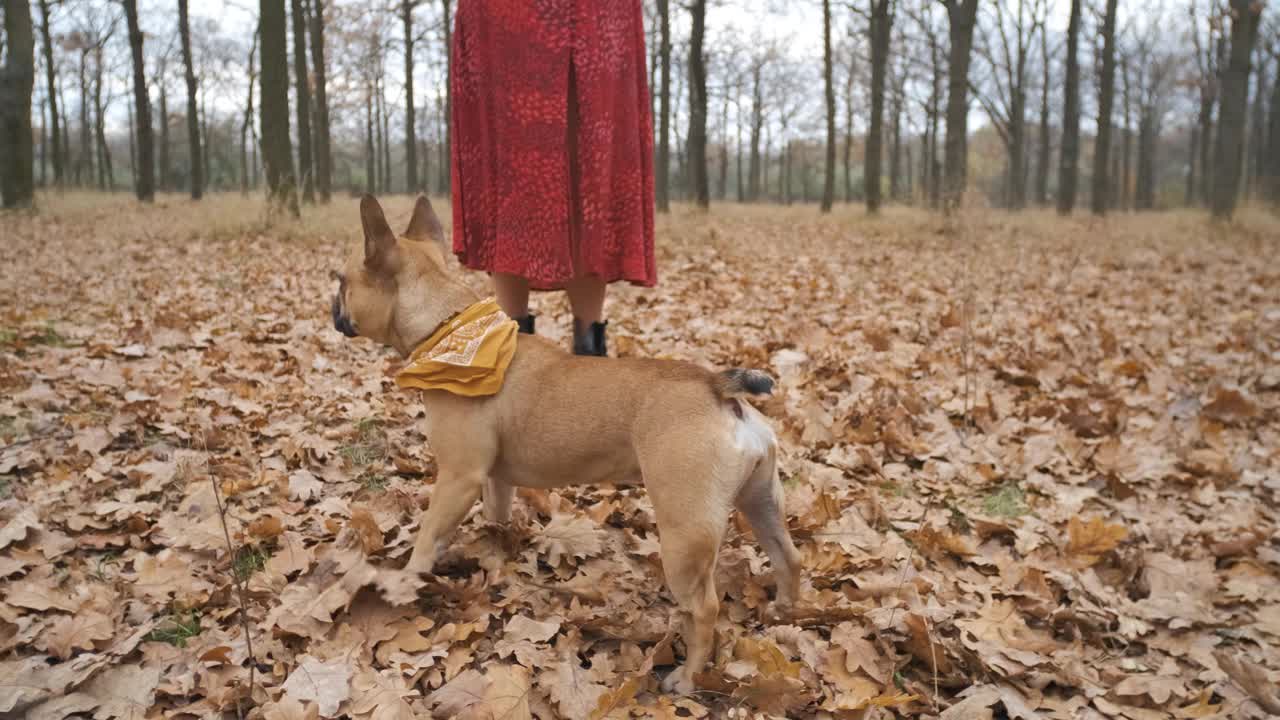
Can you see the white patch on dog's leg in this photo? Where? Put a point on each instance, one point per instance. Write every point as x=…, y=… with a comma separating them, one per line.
x=752, y=434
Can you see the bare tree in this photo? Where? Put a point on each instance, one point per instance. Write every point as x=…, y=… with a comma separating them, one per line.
x=193, y=127
x=962, y=16
x=447, y=25
x=246, y=124
x=324, y=158
x=410, y=126
x=829, y=171
x=1245, y=18
x=880, y=31
x=17, y=79
x=698, y=104
x=1005, y=98
x=1068, y=162
x=663, y=169
x=144, y=186
x=52, y=92
x=1042, y=160
x=302, y=95
x=1106, y=94
x=277, y=149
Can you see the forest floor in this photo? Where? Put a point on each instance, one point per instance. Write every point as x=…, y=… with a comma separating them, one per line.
x=1032, y=465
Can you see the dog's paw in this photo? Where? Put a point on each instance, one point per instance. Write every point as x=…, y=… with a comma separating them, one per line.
x=679, y=682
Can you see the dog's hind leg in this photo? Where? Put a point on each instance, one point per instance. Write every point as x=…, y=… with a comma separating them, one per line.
x=761, y=501
x=497, y=501
x=689, y=551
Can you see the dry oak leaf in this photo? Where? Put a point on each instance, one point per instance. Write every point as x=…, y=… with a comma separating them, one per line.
x=1158, y=687
x=923, y=647
x=69, y=633
x=859, y=653
x=303, y=485
x=776, y=693
x=1201, y=708
x=456, y=697
x=327, y=683
x=125, y=692
x=572, y=689
x=569, y=536
x=381, y=696
x=768, y=658
x=290, y=709
x=507, y=697
x=1089, y=541
x=16, y=528
x=1252, y=678
x=408, y=638
x=521, y=627
x=616, y=700
x=1230, y=406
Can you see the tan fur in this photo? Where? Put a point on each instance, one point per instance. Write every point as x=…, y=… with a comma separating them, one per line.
x=561, y=420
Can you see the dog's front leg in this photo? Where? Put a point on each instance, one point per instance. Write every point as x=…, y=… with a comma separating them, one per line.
x=452, y=498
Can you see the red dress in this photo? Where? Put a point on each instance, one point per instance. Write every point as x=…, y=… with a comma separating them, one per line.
x=535, y=84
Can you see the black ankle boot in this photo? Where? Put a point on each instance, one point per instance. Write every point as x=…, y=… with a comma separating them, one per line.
x=591, y=342
x=526, y=323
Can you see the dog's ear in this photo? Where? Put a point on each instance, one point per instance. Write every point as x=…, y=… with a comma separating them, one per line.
x=424, y=225
x=379, y=240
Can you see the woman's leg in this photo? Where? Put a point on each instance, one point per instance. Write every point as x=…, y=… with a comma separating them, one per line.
x=512, y=292
x=586, y=298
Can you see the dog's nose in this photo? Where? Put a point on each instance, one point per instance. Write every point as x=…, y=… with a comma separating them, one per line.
x=340, y=323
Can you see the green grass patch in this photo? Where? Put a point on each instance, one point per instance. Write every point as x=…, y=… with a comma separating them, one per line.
x=374, y=482
x=1007, y=500
x=369, y=446
x=8, y=336
x=177, y=628
x=45, y=335
x=6, y=487
x=249, y=560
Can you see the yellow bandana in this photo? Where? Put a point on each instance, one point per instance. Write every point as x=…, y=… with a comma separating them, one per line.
x=466, y=356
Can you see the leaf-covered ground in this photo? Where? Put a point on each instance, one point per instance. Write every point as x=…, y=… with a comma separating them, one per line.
x=1032, y=466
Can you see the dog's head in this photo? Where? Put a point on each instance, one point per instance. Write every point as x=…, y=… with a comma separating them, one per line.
x=391, y=278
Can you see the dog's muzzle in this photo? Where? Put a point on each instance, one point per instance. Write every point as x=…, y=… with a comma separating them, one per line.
x=341, y=322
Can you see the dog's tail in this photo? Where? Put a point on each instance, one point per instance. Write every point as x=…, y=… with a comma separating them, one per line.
x=739, y=381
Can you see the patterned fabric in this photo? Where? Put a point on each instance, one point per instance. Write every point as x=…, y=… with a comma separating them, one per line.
x=468, y=355
x=536, y=83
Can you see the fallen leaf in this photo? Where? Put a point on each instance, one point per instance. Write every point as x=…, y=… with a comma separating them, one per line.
x=327, y=683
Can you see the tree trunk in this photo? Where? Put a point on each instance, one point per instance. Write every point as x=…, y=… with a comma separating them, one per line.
x=663, y=170
x=247, y=123
x=1271, y=158
x=1257, y=133
x=17, y=80
x=193, y=126
x=323, y=159
x=410, y=127
x=277, y=148
x=1069, y=159
x=961, y=16
x=1145, y=198
x=1235, y=84
x=829, y=171
x=106, y=173
x=205, y=145
x=895, y=151
x=145, y=181
x=881, y=27
x=385, y=113
x=698, y=105
x=723, y=187
x=1042, y=162
x=1124, y=194
x=84, y=154
x=370, y=150
x=44, y=143
x=162, y=164
x=757, y=124
x=1106, y=94
x=1190, y=197
x=50, y=76
x=302, y=95
x=848, y=128
x=448, y=97
x=737, y=169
